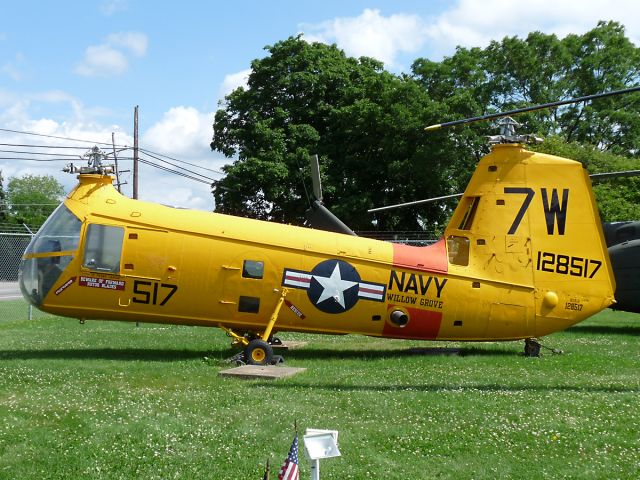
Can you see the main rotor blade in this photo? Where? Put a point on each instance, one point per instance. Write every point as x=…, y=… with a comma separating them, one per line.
x=417, y=202
x=530, y=109
x=594, y=176
x=315, y=177
x=626, y=173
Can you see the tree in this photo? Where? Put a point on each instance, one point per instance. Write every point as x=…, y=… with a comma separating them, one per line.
x=518, y=72
x=364, y=123
x=514, y=73
x=3, y=206
x=32, y=198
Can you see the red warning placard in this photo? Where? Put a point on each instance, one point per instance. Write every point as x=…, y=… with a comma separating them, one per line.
x=106, y=283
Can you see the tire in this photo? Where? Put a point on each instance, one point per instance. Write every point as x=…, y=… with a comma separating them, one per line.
x=531, y=348
x=258, y=352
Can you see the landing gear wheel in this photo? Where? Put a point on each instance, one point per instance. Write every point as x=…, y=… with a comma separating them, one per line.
x=275, y=341
x=258, y=352
x=531, y=348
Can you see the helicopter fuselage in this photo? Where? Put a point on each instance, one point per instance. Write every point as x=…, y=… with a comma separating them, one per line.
x=523, y=256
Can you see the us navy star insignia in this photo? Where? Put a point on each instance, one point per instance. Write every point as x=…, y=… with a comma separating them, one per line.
x=334, y=286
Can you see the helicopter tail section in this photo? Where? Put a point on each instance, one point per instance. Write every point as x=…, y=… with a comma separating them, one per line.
x=527, y=230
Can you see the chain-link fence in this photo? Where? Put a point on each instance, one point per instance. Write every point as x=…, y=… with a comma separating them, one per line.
x=12, y=305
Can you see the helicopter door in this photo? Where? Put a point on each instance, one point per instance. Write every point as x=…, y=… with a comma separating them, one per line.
x=145, y=253
x=246, y=279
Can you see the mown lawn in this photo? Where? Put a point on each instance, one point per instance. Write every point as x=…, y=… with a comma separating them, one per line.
x=109, y=400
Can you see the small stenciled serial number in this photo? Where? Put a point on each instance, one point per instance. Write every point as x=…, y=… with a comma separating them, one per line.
x=573, y=306
x=567, y=265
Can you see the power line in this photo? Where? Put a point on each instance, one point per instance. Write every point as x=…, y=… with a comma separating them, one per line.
x=147, y=162
x=74, y=159
x=56, y=137
x=37, y=153
x=150, y=152
x=40, y=146
x=67, y=159
x=175, y=172
x=185, y=169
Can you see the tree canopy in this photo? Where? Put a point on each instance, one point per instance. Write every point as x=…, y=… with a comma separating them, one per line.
x=516, y=73
x=366, y=124
x=30, y=199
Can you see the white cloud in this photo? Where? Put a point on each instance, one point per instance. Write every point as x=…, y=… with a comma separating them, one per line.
x=182, y=130
x=109, y=7
x=467, y=23
x=183, y=133
x=110, y=57
x=233, y=81
x=372, y=34
x=475, y=24
x=46, y=130
x=133, y=41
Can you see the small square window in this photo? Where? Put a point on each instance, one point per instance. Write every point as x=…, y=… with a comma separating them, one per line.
x=249, y=304
x=252, y=269
x=458, y=248
x=103, y=248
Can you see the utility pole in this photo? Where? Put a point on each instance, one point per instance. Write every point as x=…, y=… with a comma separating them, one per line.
x=135, y=160
x=115, y=159
x=135, y=152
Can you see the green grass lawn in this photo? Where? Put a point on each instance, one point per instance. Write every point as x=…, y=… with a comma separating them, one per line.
x=109, y=400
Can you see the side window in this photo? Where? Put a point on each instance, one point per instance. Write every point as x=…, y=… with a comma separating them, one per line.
x=249, y=304
x=470, y=213
x=458, y=248
x=103, y=248
x=252, y=269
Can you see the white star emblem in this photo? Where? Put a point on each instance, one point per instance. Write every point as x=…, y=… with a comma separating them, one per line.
x=334, y=286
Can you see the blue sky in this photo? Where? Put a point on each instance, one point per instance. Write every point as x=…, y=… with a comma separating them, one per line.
x=76, y=69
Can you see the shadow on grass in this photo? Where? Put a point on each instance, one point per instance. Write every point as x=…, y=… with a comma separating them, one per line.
x=329, y=354
x=606, y=329
x=169, y=355
x=151, y=355
x=445, y=388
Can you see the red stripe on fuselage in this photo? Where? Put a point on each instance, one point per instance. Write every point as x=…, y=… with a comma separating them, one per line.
x=432, y=258
x=423, y=325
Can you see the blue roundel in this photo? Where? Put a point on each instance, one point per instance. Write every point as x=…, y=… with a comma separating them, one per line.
x=334, y=286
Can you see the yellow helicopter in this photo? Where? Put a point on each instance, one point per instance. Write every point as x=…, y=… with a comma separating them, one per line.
x=523, y=256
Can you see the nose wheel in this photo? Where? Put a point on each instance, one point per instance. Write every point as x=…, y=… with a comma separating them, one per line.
x=258, y=352
x=257, y=349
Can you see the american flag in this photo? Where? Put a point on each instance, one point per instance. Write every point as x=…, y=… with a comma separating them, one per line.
x=289, y=470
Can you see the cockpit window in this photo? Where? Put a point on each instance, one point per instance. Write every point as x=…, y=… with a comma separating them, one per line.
x=60, y=233
x=103, y=248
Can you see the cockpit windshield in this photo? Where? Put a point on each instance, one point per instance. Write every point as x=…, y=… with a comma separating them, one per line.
x=48, y=254
x=60, y=233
